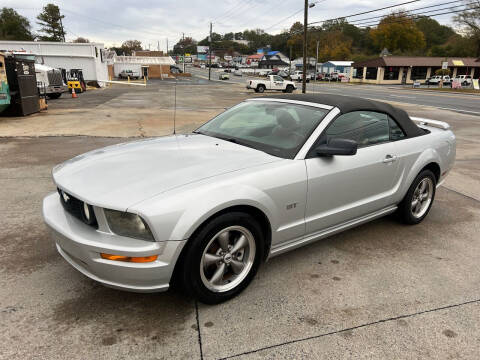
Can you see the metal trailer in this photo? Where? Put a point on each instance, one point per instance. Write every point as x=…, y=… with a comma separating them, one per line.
x=4, y=89
x=22, y=81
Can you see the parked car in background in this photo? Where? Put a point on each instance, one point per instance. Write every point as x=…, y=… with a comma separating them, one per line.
x=202, y=66
x=272, y=82
x=238, y=72
x=175, y=69
x=224, y=76
x=435, y=80
x=125, y=74
x=465, y=80
x=265, y=177
x=298, y=76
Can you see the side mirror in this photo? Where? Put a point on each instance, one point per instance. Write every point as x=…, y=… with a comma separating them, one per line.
x=337, y=147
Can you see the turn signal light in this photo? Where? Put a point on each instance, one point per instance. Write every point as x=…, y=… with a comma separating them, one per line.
x=141, y=259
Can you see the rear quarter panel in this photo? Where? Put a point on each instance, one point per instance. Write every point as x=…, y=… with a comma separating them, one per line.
x=414, y=154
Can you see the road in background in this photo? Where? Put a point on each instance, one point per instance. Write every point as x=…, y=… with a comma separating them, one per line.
x=463, y=103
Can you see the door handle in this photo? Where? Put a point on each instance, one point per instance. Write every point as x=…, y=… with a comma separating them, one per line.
x=389, y=158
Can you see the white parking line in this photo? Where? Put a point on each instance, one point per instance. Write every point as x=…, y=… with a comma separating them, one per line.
x=403, y=96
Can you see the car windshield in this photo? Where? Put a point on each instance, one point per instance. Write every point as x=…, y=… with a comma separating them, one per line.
x=277, y=128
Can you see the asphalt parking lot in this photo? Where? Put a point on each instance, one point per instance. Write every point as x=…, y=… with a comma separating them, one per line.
x=381, y=291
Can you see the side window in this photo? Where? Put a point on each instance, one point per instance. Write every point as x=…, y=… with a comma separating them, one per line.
x=395, y=132
x=365, y=127
x=277, y=78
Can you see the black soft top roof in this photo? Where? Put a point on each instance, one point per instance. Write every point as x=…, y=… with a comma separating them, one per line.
x=348, y=104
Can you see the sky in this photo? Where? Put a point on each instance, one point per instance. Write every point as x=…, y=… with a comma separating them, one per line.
x=153, y=22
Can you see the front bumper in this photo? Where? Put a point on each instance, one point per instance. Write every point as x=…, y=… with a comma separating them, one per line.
x=81, y=245
x=54, y=89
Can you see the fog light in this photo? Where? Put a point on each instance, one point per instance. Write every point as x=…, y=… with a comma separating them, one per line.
x=141, y=259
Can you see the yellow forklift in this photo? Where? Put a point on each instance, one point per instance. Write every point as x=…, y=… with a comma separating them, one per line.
x=75, y=81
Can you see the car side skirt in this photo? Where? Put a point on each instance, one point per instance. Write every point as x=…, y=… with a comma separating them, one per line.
x=304, y=240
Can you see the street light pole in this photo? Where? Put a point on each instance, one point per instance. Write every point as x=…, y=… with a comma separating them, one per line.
x=305, y=24
x=210, y=53
x=183, y=43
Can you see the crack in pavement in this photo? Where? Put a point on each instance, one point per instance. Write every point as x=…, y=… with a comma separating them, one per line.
x=352, y=328
x=198, y=329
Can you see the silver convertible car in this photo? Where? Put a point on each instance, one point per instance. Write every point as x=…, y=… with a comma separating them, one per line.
x=266, y=176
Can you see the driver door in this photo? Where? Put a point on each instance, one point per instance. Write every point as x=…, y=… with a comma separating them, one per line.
x=342, y=188
x=277, y=82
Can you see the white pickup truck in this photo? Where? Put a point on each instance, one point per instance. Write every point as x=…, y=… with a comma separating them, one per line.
x=125, y=74
x=271, y=82
x=298, y=76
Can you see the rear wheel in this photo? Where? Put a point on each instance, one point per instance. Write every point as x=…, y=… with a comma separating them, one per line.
x=289, y=89
x=419, y=198
x=261, y=88
x=223, y=257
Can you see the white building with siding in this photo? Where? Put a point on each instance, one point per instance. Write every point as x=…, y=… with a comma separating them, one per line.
x=90, y=57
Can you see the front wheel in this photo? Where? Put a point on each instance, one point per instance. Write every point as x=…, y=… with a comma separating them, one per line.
x=419, y=198
x=223, y=257
x=289, y=89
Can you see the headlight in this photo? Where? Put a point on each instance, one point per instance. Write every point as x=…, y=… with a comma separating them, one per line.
x=128, y=224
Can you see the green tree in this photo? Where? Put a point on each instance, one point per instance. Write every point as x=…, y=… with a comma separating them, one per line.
x=434, y=33
x=187, y=45
x=295, y=40
x=50, y=21
x=239, y=35
x=228, y=36
x=398, y=33
x=13, y=26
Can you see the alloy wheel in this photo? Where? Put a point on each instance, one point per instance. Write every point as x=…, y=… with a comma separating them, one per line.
x=422, y=197
x=227, y=259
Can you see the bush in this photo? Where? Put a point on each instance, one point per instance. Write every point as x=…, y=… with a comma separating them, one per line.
x=443, y=72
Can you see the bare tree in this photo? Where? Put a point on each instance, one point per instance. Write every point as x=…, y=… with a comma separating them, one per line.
x=469, y=21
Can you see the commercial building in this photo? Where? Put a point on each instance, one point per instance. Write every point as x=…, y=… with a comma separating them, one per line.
x=90, y=57
x=341, y=67
x=151, y=67
x=410, y=69
x=273, y=59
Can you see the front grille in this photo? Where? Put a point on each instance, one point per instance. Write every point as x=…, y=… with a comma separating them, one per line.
x=55, y=78
x=75, y=207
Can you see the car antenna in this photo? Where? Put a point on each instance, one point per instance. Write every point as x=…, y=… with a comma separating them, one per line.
x=175, y=107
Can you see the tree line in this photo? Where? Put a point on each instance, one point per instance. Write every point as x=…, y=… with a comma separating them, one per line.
x=398, y=33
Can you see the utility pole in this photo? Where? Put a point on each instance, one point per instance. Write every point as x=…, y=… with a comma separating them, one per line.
x=167, y=46
x=210, y=53
x=183, y=45
x=305, y=24
x=158, y=45
x=316, y=61
x=290, y=68
x=61, y=25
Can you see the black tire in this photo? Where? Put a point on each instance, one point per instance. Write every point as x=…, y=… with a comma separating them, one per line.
x=256, y=90
x=190, y=276
x=405, y=208
x=54, y=95
x=261, y=88
x=289, y=89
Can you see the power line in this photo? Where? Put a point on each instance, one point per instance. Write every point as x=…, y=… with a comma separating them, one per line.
x=288, y=17
x=415, y=16
x=365, y=12
x=232, y=10
x=418, y=16
x=369, y=20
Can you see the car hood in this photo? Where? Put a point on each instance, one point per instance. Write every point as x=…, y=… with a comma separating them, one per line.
x=122, y=175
